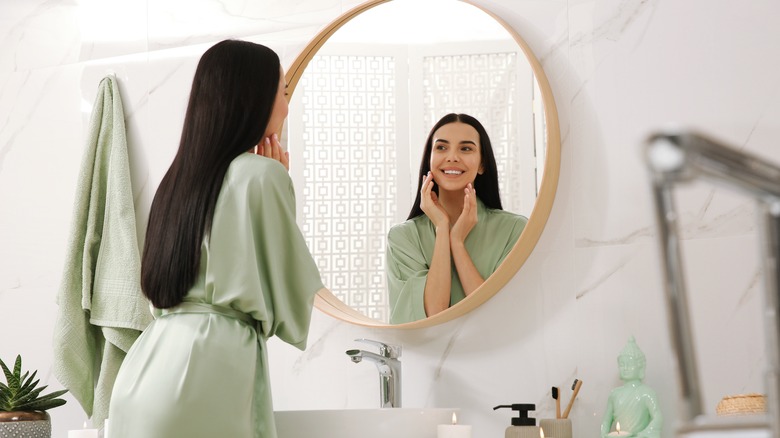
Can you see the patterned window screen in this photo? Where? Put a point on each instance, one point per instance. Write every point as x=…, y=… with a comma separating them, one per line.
x=350, y=174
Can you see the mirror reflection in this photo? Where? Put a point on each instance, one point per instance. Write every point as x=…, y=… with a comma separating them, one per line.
x=457, y=233
x=360, y=115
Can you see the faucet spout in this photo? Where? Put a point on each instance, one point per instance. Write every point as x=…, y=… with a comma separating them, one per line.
x=389, y=368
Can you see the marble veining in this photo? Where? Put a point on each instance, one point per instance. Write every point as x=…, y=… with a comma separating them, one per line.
x=313, y=350
x=632, y=237
x=603, y=278
x=751, y=289
x=612, y=29
x=447, y=350
x=9, y=130
x=739, y=219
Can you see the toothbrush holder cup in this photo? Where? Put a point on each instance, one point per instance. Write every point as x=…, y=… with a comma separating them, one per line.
x=556, y=428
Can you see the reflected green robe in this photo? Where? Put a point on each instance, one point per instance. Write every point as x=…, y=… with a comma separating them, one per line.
x=410, y=251
x=200, y=369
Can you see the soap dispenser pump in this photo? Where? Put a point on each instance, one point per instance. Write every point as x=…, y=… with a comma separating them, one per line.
x=523, y=426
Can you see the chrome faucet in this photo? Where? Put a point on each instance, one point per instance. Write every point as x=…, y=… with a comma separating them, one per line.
x=679, y=157
x=389, y=368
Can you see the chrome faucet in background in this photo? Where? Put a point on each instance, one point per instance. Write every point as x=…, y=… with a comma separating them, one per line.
x=389, y=368
x=678, y=157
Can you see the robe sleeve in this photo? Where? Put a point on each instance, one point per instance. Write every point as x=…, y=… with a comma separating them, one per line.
x=407, y=272
x=517, y=227
x=260, y=254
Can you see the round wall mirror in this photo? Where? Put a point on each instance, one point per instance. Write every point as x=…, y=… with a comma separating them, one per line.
x=364, y=95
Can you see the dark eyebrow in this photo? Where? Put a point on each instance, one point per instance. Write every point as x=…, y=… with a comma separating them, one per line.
x=448, y=142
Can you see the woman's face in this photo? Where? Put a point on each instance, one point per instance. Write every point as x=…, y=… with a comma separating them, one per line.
x=455, y=156
x=280, y=109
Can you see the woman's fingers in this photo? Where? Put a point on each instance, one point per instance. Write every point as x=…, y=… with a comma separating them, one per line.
x=471, y=197
x=471, y=202
x=426, y=184
x=429, y=203
x=276, y=148
x=468, y=216
x=271, y=148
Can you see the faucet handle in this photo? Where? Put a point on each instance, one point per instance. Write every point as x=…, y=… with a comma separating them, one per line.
x=385, y=350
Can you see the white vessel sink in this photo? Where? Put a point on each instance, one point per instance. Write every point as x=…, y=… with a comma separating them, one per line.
x=362, y=423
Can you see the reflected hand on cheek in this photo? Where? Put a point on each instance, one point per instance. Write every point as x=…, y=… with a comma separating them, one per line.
x=468, y=217
x=429, y=203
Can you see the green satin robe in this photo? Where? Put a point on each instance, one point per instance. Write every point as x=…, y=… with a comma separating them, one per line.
x=200, y=369
x=410, y=251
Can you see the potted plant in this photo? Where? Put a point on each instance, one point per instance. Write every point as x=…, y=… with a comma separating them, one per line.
x=22, y=407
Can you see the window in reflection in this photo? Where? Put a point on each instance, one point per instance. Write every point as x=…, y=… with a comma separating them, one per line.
x=349, y=168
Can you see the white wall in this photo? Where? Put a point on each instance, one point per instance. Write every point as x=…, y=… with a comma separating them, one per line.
x=619, y=70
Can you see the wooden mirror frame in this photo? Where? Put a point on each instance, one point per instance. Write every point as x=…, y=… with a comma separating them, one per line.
x=328, y=303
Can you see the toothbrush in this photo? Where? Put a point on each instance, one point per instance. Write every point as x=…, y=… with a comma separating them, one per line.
x=557, y=397
x=576, y=388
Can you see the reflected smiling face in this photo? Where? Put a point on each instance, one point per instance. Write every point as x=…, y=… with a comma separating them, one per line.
x=456, y=156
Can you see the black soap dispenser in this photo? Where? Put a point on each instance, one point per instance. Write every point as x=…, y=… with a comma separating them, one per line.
x=522, y=426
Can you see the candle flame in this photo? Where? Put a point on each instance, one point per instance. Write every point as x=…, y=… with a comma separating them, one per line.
x=541, y=433
x=454, y=418
x=618, y=427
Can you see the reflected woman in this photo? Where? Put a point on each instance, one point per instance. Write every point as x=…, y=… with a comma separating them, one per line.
x=457, y=233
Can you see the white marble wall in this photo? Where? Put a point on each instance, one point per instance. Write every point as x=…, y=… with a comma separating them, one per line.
x=619, y=70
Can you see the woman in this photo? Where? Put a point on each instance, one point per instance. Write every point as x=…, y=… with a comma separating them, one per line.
x=456, y=234
x=224, y=264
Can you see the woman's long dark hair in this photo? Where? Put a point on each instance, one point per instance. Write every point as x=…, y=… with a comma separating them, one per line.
x=485, y=184
x=230, y=104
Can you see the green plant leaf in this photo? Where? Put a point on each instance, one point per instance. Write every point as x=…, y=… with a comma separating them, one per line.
x=44, y=405
x=5, y=400
x=8, y=375
x=27, y=389
x=17, y=372
x=52, y=395
x=21, y=392
x=48, y=401
x=29, y=397
x=29, y=379
x=6, y=371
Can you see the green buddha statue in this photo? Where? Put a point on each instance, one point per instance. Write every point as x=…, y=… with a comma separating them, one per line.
x=634, y=405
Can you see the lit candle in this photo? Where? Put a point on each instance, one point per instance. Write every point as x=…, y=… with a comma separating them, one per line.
x=454, y=430
x=618, y=432
x=83, y=433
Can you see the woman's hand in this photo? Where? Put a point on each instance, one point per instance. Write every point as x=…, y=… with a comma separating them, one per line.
x=271, y=148
x=467, y=218
x=470, y=278
x=429, y=204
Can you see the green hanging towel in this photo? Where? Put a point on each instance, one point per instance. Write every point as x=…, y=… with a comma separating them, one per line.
x=101, y=308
